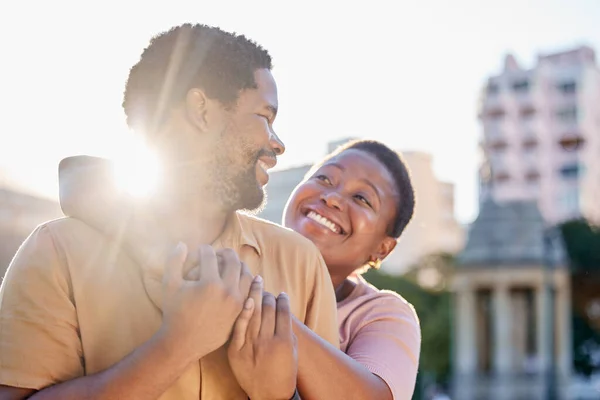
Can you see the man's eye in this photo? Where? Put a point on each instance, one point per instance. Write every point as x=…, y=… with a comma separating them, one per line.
x=324, y=179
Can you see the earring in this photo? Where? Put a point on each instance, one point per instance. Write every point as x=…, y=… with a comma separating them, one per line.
x=375, y=264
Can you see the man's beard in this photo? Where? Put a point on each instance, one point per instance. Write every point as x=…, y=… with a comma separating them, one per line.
x=234, y=177
x=244, y=193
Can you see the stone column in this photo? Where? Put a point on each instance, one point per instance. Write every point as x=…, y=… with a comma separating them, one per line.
x=502, y=323
x=542, y=299
x=564, y=330
x=465, y=332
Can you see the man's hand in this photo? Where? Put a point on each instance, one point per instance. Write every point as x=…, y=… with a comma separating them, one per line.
x=262, y=352
x=199, y=314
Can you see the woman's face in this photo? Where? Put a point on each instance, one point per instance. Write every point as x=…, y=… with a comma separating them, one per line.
x=345, y=208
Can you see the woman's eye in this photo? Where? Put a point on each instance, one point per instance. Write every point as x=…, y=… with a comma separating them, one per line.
x=363, y=199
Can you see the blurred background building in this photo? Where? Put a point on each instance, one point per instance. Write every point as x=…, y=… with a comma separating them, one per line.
x=513, y=331
x=541, y=135
x=512, y=308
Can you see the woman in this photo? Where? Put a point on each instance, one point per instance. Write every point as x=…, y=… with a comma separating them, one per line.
x=354, y=205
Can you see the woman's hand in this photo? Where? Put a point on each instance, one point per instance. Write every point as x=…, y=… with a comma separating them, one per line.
x=263, y=349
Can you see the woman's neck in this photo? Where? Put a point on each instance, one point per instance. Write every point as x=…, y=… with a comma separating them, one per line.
x=343, y=290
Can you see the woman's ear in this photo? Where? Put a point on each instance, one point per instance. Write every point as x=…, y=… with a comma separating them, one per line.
x=386, y=246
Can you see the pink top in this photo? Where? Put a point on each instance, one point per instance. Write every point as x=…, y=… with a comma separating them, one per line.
x=381, y=330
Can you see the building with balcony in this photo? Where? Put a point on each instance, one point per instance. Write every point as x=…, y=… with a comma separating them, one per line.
x=541, y=135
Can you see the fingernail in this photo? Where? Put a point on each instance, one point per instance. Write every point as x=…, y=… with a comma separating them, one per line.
x=283, y=294
x=249, y=303
x=258, y=279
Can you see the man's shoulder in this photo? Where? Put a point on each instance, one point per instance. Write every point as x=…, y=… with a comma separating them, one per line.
x=67, y=231
x=273, y=235
x=50, y=245
x=67, y=226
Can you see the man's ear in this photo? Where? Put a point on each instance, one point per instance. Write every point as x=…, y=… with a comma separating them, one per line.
x=197, y=105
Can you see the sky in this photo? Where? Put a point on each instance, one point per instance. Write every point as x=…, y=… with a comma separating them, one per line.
x=405, y=72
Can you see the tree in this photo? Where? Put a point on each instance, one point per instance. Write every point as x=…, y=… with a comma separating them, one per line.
x=582, y=243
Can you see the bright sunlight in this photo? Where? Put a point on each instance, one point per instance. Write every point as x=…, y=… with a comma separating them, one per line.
x=137, y=169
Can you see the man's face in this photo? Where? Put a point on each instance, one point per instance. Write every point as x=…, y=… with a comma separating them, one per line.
x=246, y=147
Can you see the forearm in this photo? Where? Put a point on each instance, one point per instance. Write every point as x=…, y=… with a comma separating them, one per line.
x=146, y=373
x=345, y=377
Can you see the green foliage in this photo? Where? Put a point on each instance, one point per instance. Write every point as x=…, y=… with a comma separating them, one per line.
x=586, y=343
x=582, y=242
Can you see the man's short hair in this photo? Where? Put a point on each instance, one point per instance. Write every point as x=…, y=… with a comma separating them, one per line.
x=185, y=57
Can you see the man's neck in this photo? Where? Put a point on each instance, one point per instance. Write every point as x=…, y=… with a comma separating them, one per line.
x=191, y=221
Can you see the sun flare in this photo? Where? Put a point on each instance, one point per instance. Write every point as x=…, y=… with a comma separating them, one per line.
x=137, y=171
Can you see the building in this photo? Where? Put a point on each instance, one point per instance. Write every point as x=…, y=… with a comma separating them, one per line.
x=20, y=213
x=541, y=135
x=512, y=332
x=434, y=228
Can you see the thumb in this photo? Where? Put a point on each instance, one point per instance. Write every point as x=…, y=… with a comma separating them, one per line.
x=173, y=274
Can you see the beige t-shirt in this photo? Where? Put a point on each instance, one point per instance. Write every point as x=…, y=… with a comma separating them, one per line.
x=75, y=301
x=380, y=329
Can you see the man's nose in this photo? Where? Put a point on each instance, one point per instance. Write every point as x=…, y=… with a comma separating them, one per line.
x=276, y=144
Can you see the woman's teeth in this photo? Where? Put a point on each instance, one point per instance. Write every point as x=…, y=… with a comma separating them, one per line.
x=323, y=221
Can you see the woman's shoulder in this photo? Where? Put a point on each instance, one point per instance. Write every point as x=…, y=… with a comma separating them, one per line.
x=368, y=304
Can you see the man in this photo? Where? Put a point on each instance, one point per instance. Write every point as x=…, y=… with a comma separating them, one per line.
x=88, y=308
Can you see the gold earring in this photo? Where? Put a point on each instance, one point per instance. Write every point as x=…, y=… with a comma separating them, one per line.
x=375, y=264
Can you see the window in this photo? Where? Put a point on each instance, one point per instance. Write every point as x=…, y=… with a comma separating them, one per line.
x=498, y=144
x=521, y=86
x=532, y=177
x=530, y=143
x=570, y=171
x=501, y=177
x=496, y=114
x=567, y=114
x=527, y=113
x=568, y=87
x=493, y=89
x=571, y=142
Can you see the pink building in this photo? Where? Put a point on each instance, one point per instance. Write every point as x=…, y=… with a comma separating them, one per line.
x=541, y=135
